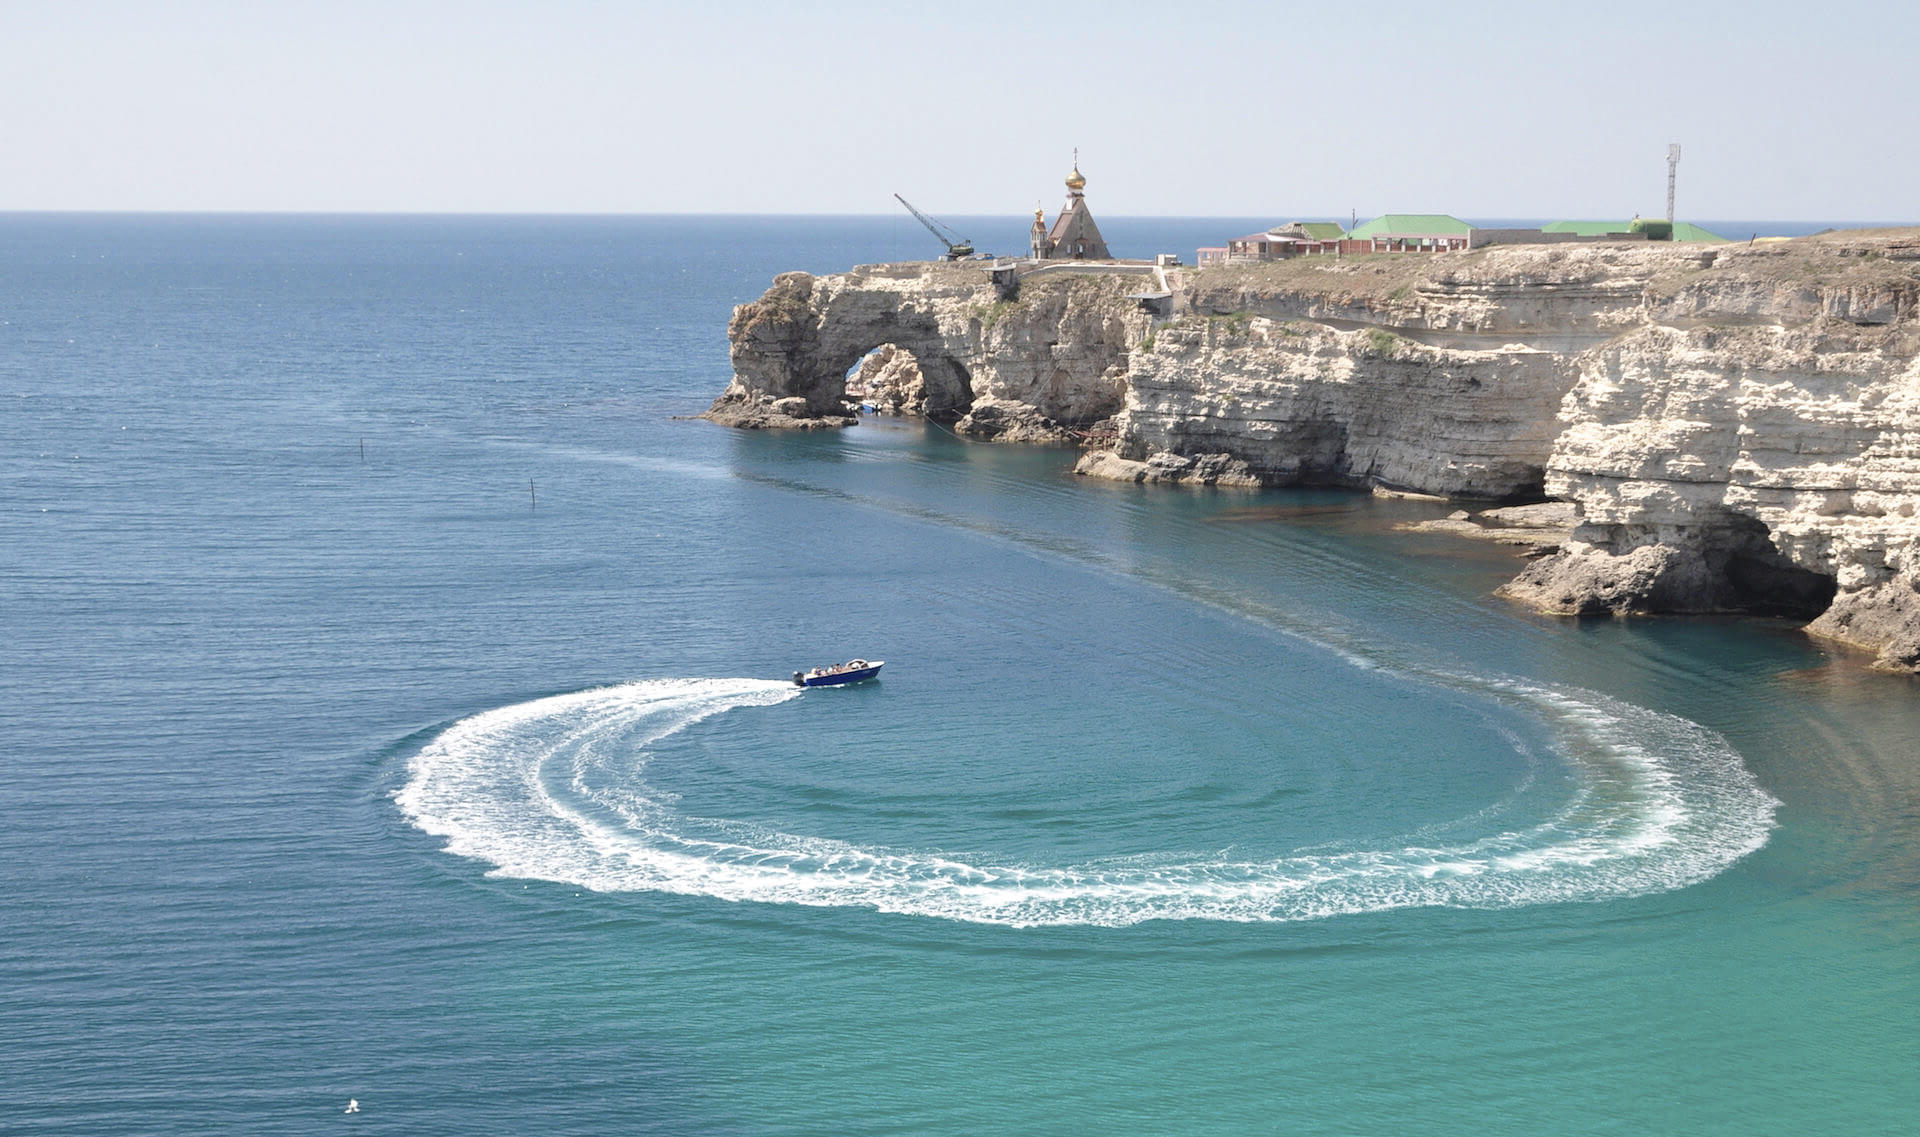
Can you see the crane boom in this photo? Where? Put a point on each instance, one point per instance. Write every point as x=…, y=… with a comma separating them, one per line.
x=957, y=246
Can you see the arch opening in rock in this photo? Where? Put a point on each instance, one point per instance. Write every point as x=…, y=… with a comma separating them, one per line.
x=897, y=380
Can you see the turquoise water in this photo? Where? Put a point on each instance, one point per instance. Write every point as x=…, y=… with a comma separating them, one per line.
x=393, y=710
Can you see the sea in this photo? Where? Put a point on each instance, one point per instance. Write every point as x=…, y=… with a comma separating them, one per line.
x=396, y=737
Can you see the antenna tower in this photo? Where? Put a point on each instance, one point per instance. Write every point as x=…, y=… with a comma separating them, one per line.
x=1673, y=163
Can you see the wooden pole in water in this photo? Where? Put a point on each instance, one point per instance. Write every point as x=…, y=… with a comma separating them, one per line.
x=363, y=450
x=532, y=502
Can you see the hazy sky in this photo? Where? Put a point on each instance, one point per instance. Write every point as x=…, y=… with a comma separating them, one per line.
x=1786, y=111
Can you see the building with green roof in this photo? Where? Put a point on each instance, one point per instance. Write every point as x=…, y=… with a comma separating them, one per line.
x=1682, y=230
x=1322, y=230
x=1414, y=231
x=1412, y=225
x=1688, y=231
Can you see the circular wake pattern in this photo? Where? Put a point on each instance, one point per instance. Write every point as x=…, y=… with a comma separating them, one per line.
x=1661, y=803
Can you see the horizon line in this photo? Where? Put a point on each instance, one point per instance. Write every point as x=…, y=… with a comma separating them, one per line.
x=396, y=213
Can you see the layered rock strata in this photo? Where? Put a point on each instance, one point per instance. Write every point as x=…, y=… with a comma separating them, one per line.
x=1255, y=401
x=1737, y=428
x=1038, y=365
x=1723, y=464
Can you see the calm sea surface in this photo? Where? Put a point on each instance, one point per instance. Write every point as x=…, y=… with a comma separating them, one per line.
x=391, y=709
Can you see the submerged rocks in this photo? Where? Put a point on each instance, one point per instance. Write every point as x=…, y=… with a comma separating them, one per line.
x=1541, y=528
x=1167, y=468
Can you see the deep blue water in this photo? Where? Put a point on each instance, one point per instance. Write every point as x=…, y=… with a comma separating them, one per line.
x=392, y=710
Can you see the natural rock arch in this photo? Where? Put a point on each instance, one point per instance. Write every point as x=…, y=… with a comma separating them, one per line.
x=896, y=379
x=793, y=347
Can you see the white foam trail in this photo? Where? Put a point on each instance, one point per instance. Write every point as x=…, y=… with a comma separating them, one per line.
x=1662, y=803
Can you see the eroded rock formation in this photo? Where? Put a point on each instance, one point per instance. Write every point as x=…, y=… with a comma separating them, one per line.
x=1268, y=402
x=1751, y=449
x=889, y=378
x=1737, y=427
x=1034, y=366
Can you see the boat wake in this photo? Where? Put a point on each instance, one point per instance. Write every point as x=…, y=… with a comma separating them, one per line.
x=1661, y=803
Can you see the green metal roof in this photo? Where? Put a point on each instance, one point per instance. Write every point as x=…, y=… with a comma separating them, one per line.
x=1682, y=230
x=1688, y=231
x=1412, y=225
x=1323, y=230
x=1587, y=228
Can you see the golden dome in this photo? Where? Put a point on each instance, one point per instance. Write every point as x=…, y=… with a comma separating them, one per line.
x=1075, y=181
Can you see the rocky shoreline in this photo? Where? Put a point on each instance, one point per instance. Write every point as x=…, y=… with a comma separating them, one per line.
x=1727, y=428
x=937, y=340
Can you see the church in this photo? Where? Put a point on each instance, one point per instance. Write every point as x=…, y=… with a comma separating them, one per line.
x=1074, y=236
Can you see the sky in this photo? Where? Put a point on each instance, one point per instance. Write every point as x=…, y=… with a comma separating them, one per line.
x=1495, y=110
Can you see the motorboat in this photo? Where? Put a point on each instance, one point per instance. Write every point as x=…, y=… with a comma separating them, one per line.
x=854, y=671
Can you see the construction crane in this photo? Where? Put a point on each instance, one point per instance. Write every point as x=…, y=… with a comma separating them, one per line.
x=958, y=247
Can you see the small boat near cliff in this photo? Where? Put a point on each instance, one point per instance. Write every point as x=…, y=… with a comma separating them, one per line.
x=856, y=671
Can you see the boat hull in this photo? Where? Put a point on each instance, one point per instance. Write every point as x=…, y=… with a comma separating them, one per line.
x=843, y=678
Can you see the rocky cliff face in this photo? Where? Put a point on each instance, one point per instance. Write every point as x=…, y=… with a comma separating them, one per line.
x=1437, y=374
x=1754, y=445
x=1738, y=427
x=1031, y=366
x=1251, y=400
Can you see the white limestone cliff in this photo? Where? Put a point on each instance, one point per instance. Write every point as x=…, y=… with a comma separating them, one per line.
x=1033, y=366
x=1299, y=401
x=1730, y=466
x=1738, y=427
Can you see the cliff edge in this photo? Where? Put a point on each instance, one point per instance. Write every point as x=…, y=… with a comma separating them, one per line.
x=1037, y=364
x=1737, y=427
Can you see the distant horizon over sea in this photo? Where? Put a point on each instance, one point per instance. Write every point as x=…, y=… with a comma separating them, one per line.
x=395, y=711
x=1485, y=221
x=1128, y=235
